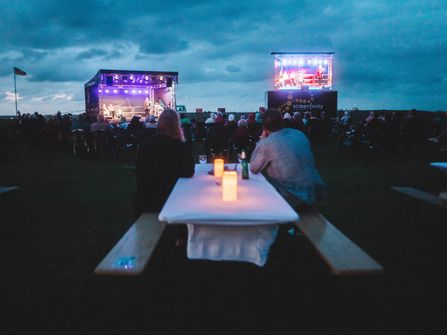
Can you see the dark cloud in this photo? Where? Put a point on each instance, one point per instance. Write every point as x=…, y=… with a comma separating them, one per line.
x=233, y=69
x=382, y=48
x=91, y=53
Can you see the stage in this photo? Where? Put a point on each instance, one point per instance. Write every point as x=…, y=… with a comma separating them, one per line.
x=122, y=93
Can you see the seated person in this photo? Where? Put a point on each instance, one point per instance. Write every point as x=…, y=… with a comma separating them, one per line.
x=123, y=123
x=255, y=129
x=151, y=122
x=230, y=125
x=160, y=161
x=287, y=121
x=241, y=137
x=216, y=140
x=199, y=130
x=285, y=157
x=81, y=122
x=100, y=124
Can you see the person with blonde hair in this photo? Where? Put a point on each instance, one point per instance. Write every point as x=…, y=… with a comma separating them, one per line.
x=160, y=161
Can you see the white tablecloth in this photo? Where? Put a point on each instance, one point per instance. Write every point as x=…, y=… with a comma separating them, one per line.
x=242, y=230
x=224, y=243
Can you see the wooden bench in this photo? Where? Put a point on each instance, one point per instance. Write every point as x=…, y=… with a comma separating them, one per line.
x=426, y=197
x=4, y=192
x=7, y=189
x=132, y=252
x=342, y=255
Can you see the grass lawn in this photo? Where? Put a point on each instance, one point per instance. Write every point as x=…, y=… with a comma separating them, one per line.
x=70, y=211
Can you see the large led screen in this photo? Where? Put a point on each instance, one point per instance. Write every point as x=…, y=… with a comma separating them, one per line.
x=303, y=70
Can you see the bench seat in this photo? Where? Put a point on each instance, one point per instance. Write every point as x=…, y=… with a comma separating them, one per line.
x=132, y=252
x=7, y=189
x=342, y=255
x=420, y=195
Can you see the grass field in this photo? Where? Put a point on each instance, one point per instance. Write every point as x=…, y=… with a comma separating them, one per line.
x=70, y=211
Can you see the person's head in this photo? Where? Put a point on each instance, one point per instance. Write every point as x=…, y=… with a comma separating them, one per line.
x=219, y=119
x=135, y=120
x=169, y=125
x=287, y=116
x=182, y=115
x=242, y=123
x=271, y=120
x=100, y=118
x=151, y=119
x=210, y=120
x=258, y=117
x=231, y=117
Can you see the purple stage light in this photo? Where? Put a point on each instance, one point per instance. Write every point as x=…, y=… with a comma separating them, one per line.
x=126, y=91
x=107, y=91
x=115, y=91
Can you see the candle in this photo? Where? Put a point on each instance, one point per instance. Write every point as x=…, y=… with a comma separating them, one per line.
x=229, y=186
x=218, y=167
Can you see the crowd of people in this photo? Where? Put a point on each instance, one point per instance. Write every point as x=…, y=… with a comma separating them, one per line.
x=231, y=133
x=223, y=133
x=391, y=132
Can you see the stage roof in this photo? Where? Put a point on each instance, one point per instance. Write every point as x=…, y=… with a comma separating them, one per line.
x=129, y=77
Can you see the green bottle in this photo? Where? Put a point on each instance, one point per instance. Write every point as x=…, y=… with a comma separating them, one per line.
x=245, y=174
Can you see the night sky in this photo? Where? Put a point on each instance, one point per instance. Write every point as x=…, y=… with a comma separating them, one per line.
x=388, y=54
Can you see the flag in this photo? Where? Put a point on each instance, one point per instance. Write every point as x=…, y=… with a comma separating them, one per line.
x=19, y=72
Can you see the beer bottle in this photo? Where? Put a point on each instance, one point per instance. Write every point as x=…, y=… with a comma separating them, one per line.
x=245, y=174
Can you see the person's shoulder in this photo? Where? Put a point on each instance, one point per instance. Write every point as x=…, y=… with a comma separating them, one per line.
x=292, y=133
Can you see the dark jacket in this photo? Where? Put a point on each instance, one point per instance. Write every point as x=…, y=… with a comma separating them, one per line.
x=160, y=162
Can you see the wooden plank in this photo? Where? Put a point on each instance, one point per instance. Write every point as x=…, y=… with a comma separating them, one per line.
x=7, y=189
x=132, y=252
x=342, y=255
x=420, y=195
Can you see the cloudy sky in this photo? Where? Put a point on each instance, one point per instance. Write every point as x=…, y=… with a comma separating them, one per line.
x=388, y=54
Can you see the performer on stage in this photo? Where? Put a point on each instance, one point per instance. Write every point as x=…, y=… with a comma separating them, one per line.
x=320, y=72
x=111, y=110
x=105, y=110
x=147, y=105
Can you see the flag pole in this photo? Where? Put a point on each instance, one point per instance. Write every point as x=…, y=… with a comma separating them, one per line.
x=15, y=90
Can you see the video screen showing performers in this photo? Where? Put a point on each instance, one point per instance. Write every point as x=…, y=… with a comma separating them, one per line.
x=296, y=71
